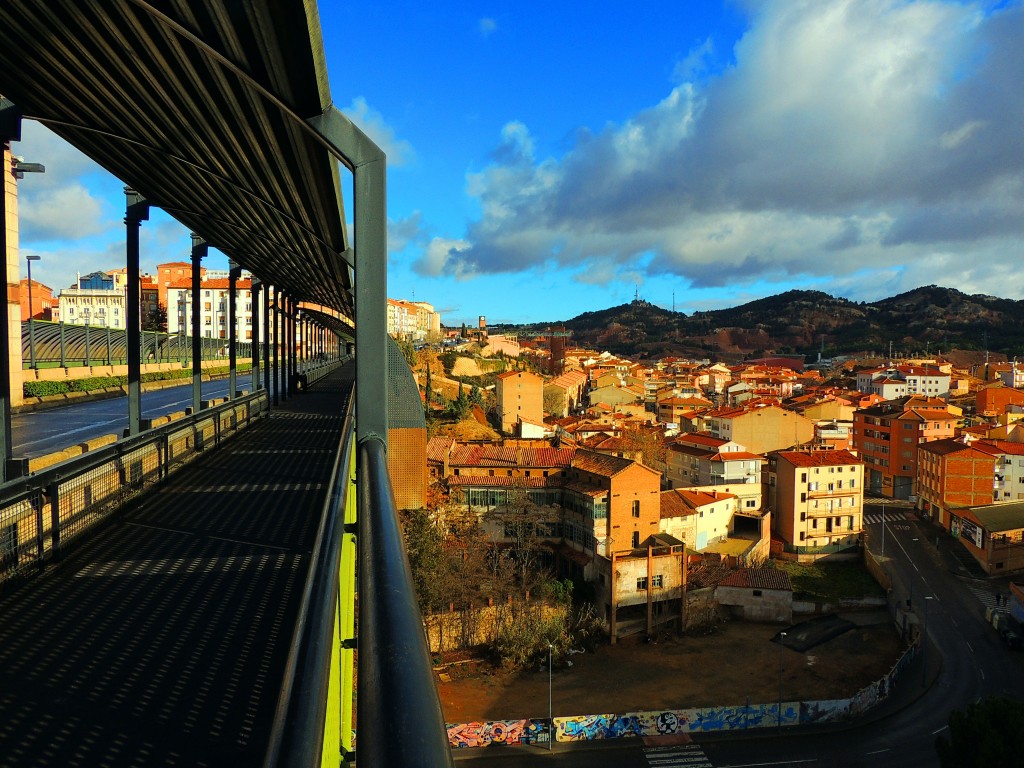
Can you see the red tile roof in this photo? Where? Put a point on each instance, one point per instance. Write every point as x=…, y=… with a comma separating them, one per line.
x=819, y=458
x=758, y=578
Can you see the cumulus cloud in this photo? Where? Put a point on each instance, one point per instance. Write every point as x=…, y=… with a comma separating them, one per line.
x=846, y=136
x=60, y=213
x=405, y=232
x=399, y=151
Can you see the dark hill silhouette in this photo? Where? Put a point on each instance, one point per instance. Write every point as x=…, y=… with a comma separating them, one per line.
x=924, y=320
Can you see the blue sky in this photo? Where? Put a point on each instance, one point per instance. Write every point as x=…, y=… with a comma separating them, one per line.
x=546, y=161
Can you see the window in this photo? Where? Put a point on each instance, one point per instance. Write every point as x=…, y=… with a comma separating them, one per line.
x=636, y=539
x=757, y=593
x=658, y=581
x=636, y=508
x=641, y=584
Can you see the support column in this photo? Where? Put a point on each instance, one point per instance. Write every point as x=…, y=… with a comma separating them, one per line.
x=254, y=339
x=370, y=209
x=136, y=212
x=277, y=345
x=10, y=130
x=266, y=339
x=199, y=250
x=233, y=272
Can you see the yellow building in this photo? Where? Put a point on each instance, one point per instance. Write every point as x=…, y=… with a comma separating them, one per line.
x=520, y=396
x=760, y=428
x=817, y=498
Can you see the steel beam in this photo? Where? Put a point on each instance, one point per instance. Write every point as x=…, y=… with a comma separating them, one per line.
x=199, y=250
x=136, y=212
x=368, y=164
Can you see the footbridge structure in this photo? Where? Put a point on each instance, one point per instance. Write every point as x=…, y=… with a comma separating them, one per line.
x=186, y=595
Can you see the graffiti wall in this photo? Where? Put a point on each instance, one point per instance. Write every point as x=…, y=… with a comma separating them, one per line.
x=497, y=732
x=666, y=722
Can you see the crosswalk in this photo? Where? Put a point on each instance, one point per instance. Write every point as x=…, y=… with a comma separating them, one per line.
x=890, y=517
x=682, y=756
x=985, y=594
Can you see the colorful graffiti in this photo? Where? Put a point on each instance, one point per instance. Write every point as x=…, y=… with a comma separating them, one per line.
x=725, y=718
x=485, y=734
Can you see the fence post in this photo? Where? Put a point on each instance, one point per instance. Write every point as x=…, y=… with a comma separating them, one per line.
x=53, y=491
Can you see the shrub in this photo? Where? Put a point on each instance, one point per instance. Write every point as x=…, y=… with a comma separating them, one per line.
x=44, y=388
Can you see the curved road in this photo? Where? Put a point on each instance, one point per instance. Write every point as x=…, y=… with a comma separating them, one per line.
x=902, y=731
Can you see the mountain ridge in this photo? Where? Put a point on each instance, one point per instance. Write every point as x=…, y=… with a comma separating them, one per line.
x=924, y=320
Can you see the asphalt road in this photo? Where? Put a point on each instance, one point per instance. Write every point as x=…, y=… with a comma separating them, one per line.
x=40, y=432
x=964, y=662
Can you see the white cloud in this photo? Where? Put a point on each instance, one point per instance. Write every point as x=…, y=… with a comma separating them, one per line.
x=399, y=151
x=848, y=137
x=439, y=257
x=60, y=213
x=487, y=27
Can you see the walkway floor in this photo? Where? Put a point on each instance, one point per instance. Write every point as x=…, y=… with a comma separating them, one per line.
x=162, y=640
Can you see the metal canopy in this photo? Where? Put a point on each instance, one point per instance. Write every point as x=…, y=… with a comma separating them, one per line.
x=201, y=107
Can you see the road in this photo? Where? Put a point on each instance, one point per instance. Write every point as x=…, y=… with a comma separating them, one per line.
x=974, y=665
x=40, y=432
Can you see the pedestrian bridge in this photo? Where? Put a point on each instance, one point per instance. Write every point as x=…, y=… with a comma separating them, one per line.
x=186, y=595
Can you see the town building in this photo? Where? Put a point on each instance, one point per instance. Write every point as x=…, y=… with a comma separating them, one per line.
x=98, y=299
x=520, y=397
x=761, y=428
x=892, y=382
x=214, y=308
x=44, y=303
x=816, y=498
x=951, y=473
x=886, y=436
x=993, y=534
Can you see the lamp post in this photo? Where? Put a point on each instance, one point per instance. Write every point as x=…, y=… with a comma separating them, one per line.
x=29, y=258
x=782, y=648
x=883, y=530
x=924, y=644
x=551, y=717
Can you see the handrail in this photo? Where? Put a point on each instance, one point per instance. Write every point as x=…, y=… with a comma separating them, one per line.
x=399, y=712
x=297, y=737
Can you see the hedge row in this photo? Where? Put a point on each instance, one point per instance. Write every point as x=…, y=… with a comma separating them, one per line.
x=94, y=383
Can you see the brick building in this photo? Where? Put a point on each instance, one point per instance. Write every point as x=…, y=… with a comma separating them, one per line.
x=952, y=474
x=887, y=435
x=520, y=395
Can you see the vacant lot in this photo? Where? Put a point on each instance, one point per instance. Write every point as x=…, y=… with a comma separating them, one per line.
x=735, y=664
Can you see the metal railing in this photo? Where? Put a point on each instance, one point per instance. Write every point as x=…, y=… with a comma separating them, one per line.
x=395, y=674
x=396, y=681
x=40, y=513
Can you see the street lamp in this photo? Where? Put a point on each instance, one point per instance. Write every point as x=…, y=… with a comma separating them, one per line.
x=551, y=718
x=29, y=258
x=782, y=647
x=924, y=644
x=883, y=530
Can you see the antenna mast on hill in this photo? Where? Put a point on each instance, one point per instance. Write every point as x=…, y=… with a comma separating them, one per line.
x=636, y=292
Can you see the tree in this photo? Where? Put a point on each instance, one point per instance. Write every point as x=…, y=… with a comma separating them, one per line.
x=649, y=441
x=990, y=732
x=408, y=351
x=155, y=319
x=554, y=401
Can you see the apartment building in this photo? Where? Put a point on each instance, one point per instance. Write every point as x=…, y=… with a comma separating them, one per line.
x=892, y=382
x=97, y=299
x=816, y=497
x=214, y=308
x=887, y=435
x=761, y=428
x=1008, y=482
x=520, y=396
x=564, y=393
x=951, y=473
x=690, y=465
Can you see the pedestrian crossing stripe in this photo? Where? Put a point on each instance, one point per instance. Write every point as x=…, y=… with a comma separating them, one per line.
x=985, y=595
x=688, y=756
x=890, y=517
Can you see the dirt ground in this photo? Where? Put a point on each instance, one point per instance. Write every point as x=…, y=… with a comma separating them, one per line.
x=735, y=664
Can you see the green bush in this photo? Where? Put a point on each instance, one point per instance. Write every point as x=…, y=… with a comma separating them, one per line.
x=93, y=383
x=44, y=388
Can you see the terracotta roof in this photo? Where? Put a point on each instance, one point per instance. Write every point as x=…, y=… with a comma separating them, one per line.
x=680, y=502
x=706, y=576
x=702, y=438
x=1001, y=446
x=758, y=578
x=502, y=481
x=947, y=446
x=438, y=448
x=600, y=463
x=819, y=458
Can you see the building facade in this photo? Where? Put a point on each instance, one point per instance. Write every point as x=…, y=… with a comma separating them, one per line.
x=816, y=498
x=520, y=397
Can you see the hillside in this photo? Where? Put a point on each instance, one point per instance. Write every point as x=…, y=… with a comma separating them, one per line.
x=927, y=319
